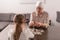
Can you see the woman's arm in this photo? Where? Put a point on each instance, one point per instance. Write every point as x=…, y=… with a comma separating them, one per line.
x=46, y=20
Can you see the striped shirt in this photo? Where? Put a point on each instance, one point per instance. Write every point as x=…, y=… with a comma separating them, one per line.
x=43, y=18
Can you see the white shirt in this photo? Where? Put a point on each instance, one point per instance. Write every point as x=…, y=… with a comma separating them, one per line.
x=25, y=34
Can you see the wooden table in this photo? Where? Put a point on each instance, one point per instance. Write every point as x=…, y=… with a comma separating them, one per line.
x=53, y=33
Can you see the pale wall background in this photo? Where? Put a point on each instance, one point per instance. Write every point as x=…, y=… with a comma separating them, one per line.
x=15, y=6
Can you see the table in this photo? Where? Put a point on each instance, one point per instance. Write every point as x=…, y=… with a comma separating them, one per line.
x=53, y=33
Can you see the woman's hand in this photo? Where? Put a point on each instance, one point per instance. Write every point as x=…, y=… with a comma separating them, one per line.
x=46, y=25
x=38, y=24
x=31, y=23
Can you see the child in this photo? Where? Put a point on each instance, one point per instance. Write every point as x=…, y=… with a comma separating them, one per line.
x=21, y=31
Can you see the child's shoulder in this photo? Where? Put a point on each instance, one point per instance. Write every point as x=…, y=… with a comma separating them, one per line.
x=11, y=31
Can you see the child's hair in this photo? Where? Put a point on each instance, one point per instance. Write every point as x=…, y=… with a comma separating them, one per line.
x=18, y=20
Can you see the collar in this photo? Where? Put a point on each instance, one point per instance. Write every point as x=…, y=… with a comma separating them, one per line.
x=37, y=13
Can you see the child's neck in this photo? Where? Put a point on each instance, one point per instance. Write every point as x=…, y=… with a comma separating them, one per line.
x=23, y=26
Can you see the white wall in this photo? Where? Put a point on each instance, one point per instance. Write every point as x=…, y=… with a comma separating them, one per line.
x=51, y=7
x=14, y=6
x=7, y=6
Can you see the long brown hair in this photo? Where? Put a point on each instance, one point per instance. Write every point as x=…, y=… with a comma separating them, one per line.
x=18, y=20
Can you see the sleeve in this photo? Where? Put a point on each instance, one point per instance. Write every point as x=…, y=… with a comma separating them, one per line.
x=46, y=19
x=28, y=33
x=30, y=18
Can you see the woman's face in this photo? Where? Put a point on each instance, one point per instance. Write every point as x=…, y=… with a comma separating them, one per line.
x=23, y=20
x=39, y=9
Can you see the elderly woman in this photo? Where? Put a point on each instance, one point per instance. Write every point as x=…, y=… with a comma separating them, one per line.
x=39, y=18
